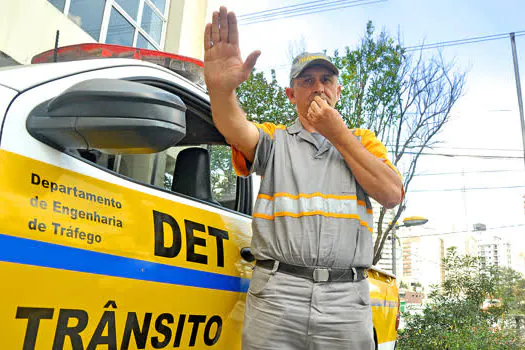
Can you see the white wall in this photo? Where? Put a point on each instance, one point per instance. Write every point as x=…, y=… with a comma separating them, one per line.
x=429, y=262
x=185, y=31
x=28, y=27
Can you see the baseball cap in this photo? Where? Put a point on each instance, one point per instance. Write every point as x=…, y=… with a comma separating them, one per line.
x=306, y=59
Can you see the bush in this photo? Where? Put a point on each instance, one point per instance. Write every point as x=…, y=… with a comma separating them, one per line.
x=455, y=318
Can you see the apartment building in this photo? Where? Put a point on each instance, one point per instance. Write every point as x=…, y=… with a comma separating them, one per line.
x=422, y=261
x=494, y=250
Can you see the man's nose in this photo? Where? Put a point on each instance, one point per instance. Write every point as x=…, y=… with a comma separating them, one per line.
x=319, y=86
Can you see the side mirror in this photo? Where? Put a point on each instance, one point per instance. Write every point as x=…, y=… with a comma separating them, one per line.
x=110, y=115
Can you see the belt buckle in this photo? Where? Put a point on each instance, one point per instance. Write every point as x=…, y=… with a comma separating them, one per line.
x=354, y=271
x=321, y=275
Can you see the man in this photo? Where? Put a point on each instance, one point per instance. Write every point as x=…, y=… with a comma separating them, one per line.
x=312, y=222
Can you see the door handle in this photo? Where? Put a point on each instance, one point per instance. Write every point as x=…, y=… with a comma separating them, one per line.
x=247, y=255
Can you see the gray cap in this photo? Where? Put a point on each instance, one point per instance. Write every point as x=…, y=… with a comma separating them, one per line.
x=306, y=59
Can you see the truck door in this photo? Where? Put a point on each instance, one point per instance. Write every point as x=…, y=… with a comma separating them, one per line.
x=121, y=250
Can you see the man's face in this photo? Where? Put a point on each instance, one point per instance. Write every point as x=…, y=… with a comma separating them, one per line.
x=314, y=81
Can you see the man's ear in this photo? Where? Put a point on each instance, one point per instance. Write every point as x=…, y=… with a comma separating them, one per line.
x=291, y=95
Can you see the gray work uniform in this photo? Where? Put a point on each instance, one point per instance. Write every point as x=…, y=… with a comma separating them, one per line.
x=310, y=211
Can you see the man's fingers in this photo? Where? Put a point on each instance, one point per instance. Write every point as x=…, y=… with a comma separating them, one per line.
x=215, y=36
x=320, y=101
x=233, y=35
x=310, y=115
x=223, y=24
x=207, y=37
x=314, y=106
x=250, y=61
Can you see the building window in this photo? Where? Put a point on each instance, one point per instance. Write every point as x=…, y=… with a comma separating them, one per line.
x=152, y=23
x=87, y=15
x=144, y=43
x=160, y=4
x=130, y=6
x=139, y=23
x=59, y=4
x=120, y=31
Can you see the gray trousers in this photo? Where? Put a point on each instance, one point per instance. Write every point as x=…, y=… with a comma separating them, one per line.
x=292, y=313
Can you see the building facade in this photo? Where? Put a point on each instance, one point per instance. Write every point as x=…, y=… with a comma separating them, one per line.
x=422, y=260
x=28, y=27
x=495, y=251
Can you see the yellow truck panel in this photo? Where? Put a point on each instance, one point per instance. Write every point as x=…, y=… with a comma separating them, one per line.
x=171, y=270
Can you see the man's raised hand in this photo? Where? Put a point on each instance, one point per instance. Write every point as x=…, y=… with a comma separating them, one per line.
x=224, y=69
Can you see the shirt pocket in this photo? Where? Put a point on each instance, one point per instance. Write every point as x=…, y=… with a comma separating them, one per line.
x=347, y=181
x=364, y=248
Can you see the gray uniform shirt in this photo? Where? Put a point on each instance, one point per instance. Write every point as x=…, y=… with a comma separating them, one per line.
x=310, y=210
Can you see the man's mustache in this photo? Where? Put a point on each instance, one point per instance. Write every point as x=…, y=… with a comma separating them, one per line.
x=323, y=96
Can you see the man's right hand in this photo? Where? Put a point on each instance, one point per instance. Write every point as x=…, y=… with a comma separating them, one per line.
x=224, y=69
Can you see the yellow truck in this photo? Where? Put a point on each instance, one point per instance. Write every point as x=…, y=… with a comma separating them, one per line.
x=122, y=225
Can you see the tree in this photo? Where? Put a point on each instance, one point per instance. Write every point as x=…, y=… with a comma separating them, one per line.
x=369, y=76
x=295, y=48
x=511, y=287
x=429, y=90
x=403, y=285
x=265, y=101
x=223, y=177
x=404, y=98
x=416, y=285
x=456, y=317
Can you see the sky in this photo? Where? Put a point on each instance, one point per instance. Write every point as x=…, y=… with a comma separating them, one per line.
x=485, y=120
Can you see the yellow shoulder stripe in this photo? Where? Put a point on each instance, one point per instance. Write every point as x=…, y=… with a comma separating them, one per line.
x=269, y=128
x=239, y=163
x=371, y=143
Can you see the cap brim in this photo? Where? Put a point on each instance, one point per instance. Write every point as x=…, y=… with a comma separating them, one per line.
x=319, y=62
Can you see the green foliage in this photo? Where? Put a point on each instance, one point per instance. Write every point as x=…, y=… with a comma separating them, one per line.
x=369, y=76
x=265, y=101
x=223, y=177
x=511, y=288
x=457, y=316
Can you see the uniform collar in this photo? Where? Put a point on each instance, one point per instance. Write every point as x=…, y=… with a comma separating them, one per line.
x=297, y=128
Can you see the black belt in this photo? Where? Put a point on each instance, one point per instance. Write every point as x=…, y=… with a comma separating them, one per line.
x=317, y=274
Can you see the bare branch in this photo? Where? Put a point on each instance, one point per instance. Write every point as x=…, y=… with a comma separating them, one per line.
x=428, y=91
